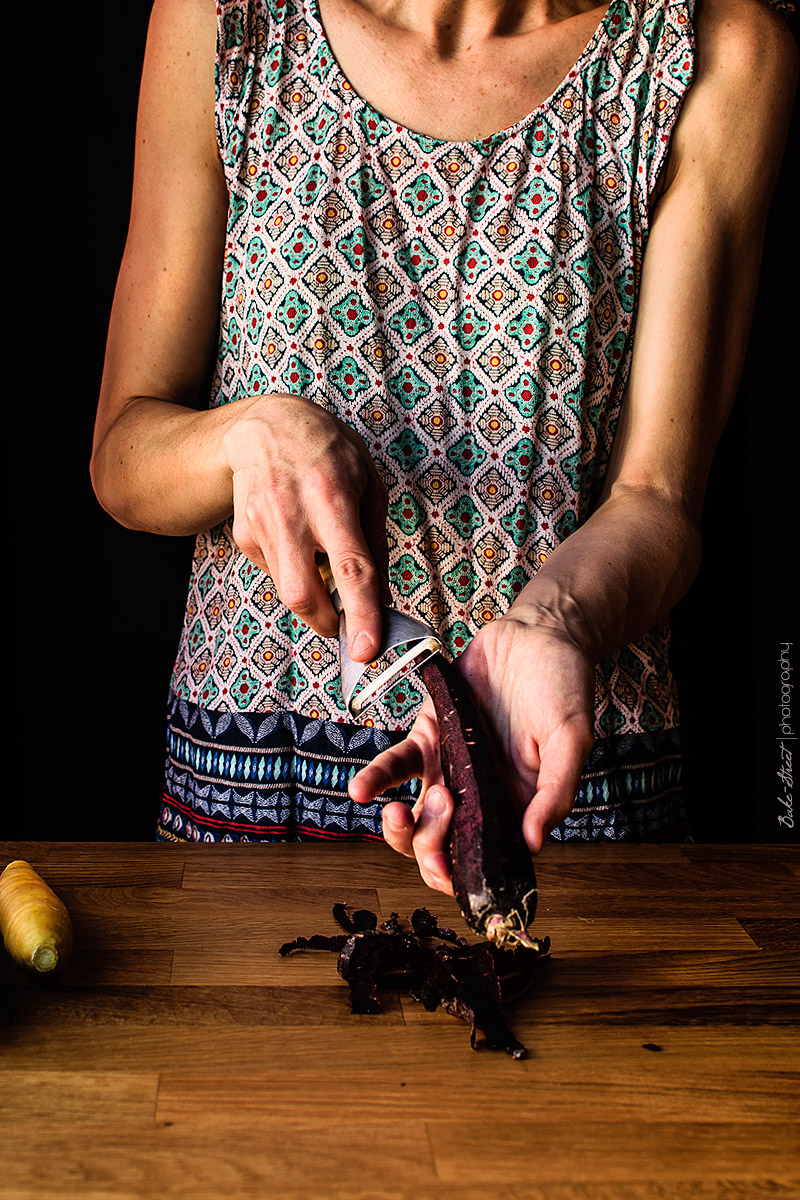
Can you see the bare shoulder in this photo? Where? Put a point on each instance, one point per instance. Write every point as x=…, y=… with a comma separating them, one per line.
x=176, y=98
x=732, y=130
x=745, y=25
x=189, y=11
x=188, y=24
x=745, y=44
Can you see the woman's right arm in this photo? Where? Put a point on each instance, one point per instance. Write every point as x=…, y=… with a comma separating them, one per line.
x=296, y=479
x=156, y=462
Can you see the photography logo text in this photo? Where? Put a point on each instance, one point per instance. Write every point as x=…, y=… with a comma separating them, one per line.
x=786, y=734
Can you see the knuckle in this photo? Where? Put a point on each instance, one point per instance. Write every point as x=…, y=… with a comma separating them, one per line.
x=243, y=537
x=249, y=516
x=276, y=506
x=355, y=570
x=400, y=842
x=320, y=480
x=301, y=601
x=338, y=488
x=250, y=534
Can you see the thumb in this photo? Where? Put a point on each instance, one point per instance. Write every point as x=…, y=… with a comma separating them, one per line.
x=562, y=762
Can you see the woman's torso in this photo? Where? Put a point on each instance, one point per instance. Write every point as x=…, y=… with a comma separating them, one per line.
x=468, y=306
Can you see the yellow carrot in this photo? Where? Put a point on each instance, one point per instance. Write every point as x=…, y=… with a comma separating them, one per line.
x=35, y=924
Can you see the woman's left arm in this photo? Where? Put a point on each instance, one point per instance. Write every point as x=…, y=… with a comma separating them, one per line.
x=617, y=575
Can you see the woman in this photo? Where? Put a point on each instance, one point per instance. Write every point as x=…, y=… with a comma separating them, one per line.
x=438, y=226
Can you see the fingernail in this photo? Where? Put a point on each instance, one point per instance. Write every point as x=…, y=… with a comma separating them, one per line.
x=435, y=803
x=362, y=644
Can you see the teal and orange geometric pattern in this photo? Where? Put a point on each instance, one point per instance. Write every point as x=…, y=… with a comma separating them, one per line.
x=467, y=307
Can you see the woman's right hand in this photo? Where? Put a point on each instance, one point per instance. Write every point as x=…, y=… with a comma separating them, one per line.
x=304, y=482
x=296, y=478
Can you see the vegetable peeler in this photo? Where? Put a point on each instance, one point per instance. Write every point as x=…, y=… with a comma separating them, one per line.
x=419, y=640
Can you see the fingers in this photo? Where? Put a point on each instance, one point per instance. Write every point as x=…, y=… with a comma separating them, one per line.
x=283, y=539
x=281, y=542
x=389, y=769
x=562, y=763
x=301, y=588
x=421, y=832
x=352, y=531
x=304, y=482
x=357, y=582
x=541, y=816
x=430, y=839
x=398, y=827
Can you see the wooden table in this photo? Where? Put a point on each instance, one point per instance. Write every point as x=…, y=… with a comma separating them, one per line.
x=178, y=1056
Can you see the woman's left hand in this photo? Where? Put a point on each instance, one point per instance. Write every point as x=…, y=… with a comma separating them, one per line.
x=535, y=687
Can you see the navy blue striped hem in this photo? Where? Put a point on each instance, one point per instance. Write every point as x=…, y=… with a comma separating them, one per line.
x=284, y=777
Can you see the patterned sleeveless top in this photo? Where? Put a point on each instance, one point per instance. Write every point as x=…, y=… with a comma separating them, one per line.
x=469, y=308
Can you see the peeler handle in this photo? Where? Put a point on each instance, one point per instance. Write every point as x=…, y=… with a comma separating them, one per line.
x=324, y=568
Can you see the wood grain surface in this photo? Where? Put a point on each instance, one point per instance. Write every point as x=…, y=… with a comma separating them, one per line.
x=178, y=1057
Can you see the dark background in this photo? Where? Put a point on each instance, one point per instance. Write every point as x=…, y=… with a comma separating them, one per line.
x=89, y=760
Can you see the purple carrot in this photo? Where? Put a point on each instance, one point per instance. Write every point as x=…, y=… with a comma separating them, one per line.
x=493, y=873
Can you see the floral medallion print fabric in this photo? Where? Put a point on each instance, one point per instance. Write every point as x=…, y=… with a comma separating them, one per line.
x=468, y=308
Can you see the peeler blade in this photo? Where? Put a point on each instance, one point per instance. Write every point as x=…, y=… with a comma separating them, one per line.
x=420, y=640
x=399, y=629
